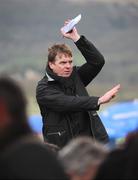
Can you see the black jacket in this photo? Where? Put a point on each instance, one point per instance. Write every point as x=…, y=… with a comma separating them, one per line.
x=66, y=108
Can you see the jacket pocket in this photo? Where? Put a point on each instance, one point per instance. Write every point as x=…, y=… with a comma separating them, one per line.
x=57, y=137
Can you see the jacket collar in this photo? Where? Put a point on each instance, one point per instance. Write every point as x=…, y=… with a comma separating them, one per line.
x=65, y=81
x=49, y=77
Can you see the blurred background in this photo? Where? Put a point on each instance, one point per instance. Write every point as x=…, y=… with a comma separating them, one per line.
x=29, y=27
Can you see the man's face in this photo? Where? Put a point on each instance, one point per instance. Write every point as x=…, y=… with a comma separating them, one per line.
x=62, y=65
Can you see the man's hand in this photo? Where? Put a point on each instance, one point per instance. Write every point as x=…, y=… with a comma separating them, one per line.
x=73, y=34
x=109, y=95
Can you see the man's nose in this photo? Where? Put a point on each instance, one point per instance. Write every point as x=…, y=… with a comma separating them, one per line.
x=68, y=65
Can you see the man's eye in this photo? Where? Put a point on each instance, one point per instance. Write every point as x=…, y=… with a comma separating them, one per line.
x=63, y=62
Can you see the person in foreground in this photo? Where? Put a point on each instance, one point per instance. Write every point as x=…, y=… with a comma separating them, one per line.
x=81, y=157
x=66, y=108
x=22, y=154
x=121, y=162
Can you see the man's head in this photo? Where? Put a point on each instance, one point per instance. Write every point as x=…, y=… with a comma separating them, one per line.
x=60, y=60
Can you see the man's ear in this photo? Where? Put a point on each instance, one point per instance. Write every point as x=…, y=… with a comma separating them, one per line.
x=50, y=65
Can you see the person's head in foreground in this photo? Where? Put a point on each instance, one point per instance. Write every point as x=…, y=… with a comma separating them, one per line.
x=81, y=158
x=13, y=116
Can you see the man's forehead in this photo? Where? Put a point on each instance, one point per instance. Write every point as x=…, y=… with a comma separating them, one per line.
x=63, y=56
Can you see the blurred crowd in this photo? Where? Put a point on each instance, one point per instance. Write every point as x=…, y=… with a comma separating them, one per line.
x=23, y=155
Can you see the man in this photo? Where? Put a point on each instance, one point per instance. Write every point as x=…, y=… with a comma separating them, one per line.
x=22, y=154
x=65, y=106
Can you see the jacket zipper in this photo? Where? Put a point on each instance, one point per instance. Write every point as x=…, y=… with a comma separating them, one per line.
x=69, y=123
x=91, y=125
x=56, y=133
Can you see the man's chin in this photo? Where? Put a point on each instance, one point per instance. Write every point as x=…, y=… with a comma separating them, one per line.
x=66, y=75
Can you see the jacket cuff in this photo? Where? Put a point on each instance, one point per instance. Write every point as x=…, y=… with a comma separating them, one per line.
x=95, y=103
x=81, y=40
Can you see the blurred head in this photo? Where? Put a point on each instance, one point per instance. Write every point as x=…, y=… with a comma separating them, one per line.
x=52, y=147
x=60, y=60
x=13, y=117
x=121, y=162
x=82, y=157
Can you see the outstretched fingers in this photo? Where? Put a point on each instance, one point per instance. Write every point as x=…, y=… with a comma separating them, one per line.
x=115, y=89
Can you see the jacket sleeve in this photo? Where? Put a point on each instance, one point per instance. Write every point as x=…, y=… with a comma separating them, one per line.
x=55, y=100
x=94, y=60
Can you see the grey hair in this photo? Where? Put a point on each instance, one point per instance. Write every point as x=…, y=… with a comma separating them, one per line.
x=82, y=153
